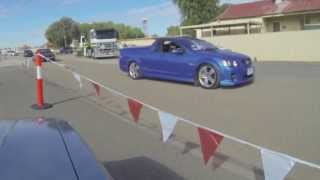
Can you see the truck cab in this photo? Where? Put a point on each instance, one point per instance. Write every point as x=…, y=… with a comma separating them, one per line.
x=104, y=43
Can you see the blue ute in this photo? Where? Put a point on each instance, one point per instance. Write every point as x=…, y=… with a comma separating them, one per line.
x=187, y=59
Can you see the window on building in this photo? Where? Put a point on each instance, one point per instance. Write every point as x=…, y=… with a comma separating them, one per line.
x=206, y=33
x=311, y=21
x=276, y=26
x=308, y=20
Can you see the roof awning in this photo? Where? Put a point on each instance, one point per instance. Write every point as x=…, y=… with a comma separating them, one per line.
x=221, y=24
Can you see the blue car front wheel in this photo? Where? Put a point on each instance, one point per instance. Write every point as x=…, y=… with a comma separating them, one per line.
x=208, y=77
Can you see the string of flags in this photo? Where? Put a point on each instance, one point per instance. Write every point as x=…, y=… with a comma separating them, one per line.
x=168, y=123
x=276, y=165
x=96, y=88
x=210, y=142
x=135, y=109
x=78, y=78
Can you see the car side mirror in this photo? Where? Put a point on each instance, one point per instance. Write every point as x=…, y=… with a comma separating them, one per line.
x=178, y=51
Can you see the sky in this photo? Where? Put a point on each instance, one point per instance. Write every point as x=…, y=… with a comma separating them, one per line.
x=25, y=21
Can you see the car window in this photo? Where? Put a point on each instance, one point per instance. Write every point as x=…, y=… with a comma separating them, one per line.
x=44, y=51
x=169, y=46
x=201, y=45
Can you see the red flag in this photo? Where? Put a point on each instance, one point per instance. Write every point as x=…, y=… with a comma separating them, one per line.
x=209, y=143
x=97, y=88
x=135, y=109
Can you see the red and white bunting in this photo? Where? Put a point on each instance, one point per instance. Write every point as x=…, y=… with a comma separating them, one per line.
x=209, y=143
x=96, y=87
x=276, y=166
x=168, y=123
x=135, y=109
x=78, y=78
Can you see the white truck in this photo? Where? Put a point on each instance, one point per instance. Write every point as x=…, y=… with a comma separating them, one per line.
x=103, y=43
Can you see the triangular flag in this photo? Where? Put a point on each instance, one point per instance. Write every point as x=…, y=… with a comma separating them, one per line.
x=78, y=78
x=135, y=109
x=276, y=166
x=209, y=143
x=168, y=122
x=97, y=88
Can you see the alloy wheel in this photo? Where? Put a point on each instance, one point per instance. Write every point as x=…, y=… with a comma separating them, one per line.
x=134, y=71
x=207, y=76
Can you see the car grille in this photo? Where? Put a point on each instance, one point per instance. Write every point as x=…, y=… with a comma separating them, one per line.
x=247, y=62
x=109, y=45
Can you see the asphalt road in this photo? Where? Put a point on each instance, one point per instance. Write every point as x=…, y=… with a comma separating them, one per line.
x=127, y=151
x=280, y=110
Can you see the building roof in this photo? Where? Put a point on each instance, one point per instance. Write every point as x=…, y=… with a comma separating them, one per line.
x=221, y=24
x=268, y=7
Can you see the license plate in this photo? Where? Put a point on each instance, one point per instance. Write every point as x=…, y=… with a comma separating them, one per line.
x=249, y=71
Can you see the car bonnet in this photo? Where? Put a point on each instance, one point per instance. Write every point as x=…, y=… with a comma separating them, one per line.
x=41, y=149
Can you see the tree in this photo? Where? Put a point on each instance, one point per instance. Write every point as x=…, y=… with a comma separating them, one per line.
x=62, y=32
x=222, y=8
x=197, y=11
x=173, y=31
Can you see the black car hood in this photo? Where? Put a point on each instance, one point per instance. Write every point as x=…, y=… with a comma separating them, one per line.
x=44, y=149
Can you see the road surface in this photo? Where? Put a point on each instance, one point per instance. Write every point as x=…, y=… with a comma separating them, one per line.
x=131, y=151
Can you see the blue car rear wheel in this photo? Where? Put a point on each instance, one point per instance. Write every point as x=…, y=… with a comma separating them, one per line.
x=134, y=70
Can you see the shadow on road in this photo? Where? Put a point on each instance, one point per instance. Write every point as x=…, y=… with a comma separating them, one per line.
x=140, y=168
x=258, y=173
x=189, y=146
x=72, y=99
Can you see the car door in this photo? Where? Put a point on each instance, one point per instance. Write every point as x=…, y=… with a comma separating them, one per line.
x=176, y=62
x=150, y=61
x=157, y=62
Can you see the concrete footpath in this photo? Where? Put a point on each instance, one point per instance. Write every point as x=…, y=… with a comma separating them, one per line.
x=127, y=150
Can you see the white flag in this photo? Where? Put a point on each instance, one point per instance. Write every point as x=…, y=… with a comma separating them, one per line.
x=168, y=122
x=78, y=78
x=276, y=166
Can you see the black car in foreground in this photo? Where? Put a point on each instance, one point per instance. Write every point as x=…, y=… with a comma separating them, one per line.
x=27, y=53
x=46, y=53
x=45, y=150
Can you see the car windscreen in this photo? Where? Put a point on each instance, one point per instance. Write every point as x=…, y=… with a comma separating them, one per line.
x=109, y=34
x=201, y=45
x=44, y=51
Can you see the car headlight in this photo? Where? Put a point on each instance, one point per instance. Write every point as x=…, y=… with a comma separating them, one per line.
x=230, y=63
x=226, y=63
x=234, y=63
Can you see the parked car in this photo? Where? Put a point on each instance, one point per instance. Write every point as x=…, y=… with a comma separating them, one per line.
x=46, y=53
x=11, y=53
x=187, y=59
x=46, y=150
x=67, y=50
x=27, y=53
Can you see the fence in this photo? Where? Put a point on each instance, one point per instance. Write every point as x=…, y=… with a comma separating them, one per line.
x=138, y=42
x=280, y=46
